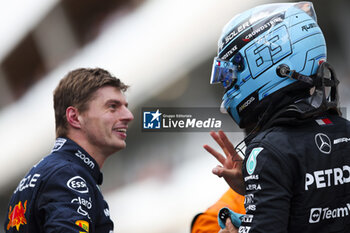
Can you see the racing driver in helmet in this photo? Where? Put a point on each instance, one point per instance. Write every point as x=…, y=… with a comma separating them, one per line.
x=279, y=88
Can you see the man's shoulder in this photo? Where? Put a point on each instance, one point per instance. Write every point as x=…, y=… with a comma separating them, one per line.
x=51, y=162
x=297, y=137
x=58, y=165
x=297, y=130
x=272, y=135
x=280, y=140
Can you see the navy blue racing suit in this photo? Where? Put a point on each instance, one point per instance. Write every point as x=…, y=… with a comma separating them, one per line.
x=297, y=178
x=60, y=194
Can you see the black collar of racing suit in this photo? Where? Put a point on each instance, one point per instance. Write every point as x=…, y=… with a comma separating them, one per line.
x=294, y=114
x=73, y=152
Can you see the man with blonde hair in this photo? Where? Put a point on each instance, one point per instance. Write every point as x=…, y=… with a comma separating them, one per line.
x=61, y=193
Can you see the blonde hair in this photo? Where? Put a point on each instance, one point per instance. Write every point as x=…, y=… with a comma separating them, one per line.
x=77, y=89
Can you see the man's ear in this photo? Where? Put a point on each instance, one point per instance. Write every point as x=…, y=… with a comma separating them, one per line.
x=72, y=115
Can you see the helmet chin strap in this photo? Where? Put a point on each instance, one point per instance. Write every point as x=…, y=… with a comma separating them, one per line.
x=304, y=108
x=325, y=77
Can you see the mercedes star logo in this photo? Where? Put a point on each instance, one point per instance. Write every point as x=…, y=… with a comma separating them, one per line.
x=323, y=143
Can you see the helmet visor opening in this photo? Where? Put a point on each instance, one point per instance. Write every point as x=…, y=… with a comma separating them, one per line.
x=224, y=72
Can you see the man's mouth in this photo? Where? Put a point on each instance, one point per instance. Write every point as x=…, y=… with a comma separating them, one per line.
x=121, y=130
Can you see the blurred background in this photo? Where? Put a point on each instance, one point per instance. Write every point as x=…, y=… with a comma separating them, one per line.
x=164, y=50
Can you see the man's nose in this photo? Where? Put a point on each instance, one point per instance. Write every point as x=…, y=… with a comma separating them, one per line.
x=127, y=114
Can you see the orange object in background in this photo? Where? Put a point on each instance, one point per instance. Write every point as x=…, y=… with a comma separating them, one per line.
x=208, y=221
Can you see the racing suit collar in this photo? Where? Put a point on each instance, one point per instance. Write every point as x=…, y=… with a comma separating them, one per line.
x=74, y=152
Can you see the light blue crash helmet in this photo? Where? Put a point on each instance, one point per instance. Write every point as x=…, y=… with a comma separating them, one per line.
x=260, y=48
